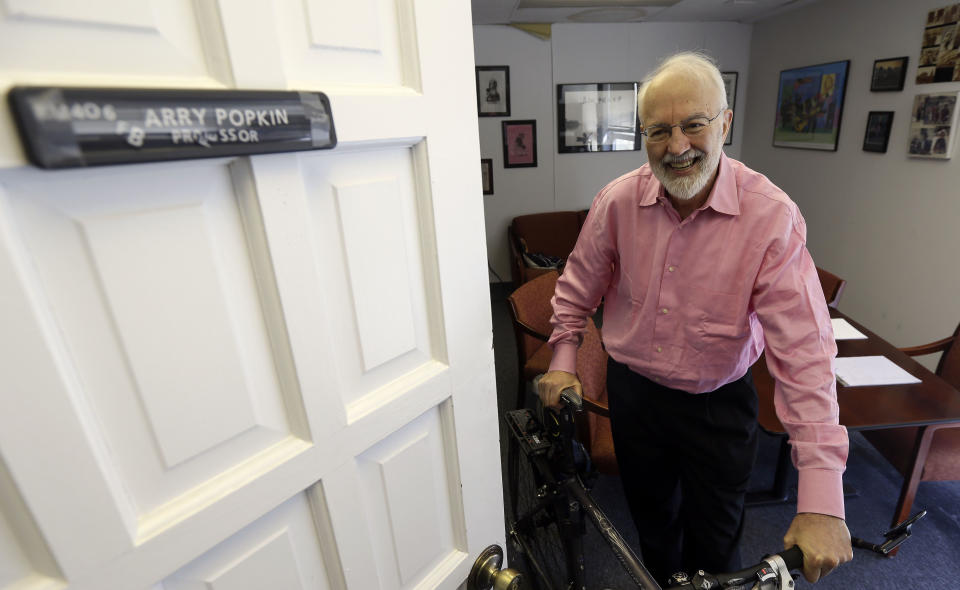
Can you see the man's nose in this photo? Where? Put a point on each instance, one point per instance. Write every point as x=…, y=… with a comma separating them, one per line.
x=678, y=142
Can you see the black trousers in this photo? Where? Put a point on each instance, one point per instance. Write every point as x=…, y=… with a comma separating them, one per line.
x=685, y=460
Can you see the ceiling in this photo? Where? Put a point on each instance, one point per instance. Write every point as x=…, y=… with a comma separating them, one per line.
x=489, y=12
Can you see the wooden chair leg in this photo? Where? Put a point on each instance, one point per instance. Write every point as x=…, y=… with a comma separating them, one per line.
x=908, y=492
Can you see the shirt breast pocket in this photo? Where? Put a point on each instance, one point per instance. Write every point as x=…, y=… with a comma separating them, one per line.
x=723, y=323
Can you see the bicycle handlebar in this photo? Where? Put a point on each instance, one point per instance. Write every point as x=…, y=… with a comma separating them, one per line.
x=569, y=395
x=792, y=557
x=771, y=573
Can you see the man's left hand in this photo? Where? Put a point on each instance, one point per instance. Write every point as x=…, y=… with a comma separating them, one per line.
x=824, y=540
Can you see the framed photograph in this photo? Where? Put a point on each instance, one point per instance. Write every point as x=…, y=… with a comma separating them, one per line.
x=878, y=131
x=520, y=144
x=940, y=47
x=888, y=74
x=493, y=91
x=809, y=106
x=730, y=87
x=597, y=117
x=486, y=172
x=933, y=121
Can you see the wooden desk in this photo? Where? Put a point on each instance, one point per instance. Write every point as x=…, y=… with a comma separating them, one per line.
x=932, y=401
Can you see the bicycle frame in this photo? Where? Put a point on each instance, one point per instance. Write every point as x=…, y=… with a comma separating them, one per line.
x=564, y=489
x=550, y=450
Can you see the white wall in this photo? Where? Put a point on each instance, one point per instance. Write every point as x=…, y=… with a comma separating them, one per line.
x=581, y=53
x=888, y=224
x=516, y=190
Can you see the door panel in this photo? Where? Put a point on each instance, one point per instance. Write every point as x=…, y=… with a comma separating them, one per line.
x=281, y=549
x=260, y=371
x=158, y=308
x=365, y=211
x=356, y=44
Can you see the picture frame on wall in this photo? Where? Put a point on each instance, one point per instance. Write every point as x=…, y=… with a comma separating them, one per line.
x=877, y=134
x=933, y=124
x=597, y=117
x=810, y=106
x=486, y=173
x=493, y=91
x=730, y=88
x=889, y=74
x=519, y=143
x=940, y=47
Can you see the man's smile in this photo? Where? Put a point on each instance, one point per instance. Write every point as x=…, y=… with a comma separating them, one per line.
x=682, y=163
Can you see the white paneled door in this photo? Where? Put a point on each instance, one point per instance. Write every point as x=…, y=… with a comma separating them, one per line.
x=255, y=373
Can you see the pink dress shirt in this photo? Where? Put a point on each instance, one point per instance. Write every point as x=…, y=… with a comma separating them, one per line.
x=692, y=303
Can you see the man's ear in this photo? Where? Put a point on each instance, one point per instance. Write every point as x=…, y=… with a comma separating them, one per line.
x=727, y=123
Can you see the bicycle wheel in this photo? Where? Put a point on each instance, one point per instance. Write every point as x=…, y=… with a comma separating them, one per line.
x=535, y=532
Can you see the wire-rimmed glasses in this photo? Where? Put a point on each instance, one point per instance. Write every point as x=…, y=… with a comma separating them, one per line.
x=691, y=128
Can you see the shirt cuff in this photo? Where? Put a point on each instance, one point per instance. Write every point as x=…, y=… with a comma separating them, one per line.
x=564, y=357
x=820, y=491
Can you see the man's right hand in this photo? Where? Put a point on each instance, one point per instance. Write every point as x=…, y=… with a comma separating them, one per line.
x=552, y=383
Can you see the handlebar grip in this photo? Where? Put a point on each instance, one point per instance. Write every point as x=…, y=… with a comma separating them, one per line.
x=793, y=557
x=568, y=395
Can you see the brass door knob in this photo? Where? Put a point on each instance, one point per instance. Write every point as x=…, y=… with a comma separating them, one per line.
x=486, y=572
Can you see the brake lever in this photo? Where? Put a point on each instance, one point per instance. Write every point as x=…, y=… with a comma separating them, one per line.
x=894, y=537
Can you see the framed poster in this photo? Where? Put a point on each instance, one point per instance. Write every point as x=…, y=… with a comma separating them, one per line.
x=519, y=144
x=493, y=91
x=597, y=117
x=486, y=173
x=940, y=48
x=889, y=74
x=933, y=121
x=878, y=131
x=809, y=106
x=730, y=87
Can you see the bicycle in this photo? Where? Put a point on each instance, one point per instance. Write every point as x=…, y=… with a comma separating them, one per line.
x=551, y=501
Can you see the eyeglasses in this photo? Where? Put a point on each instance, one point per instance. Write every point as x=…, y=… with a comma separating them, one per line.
x=691, y=128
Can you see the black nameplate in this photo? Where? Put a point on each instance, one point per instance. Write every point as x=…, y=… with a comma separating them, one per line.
x=71, y=127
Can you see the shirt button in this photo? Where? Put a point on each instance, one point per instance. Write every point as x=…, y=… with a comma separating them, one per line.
x=659, y=349
x=664, y=311
x=671, y=268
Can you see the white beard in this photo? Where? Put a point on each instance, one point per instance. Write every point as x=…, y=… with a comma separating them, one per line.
x=684, y=188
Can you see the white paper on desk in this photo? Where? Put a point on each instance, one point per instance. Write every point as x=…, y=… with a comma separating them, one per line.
x=870, y=370
x=844, y=330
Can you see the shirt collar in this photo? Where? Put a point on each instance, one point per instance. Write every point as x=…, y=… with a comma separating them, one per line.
x=723, y=196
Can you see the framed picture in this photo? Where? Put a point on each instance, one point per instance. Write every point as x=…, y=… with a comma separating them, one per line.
x=878, y=131
x=486, y=172
x=493, y=91
x=520, y=144
x=933, y=121
x=888, y=74
x=730, y=87
x=809, y=106
x=597, y=117
x=940, y=48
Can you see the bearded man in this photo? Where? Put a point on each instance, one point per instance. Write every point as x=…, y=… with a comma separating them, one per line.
x=702, y=264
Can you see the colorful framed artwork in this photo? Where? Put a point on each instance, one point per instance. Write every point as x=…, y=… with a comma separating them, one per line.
x=486, y=173
x=889, y=74
x=933, y=121
x=730, y=88
x=597, y=117
x=519, y=143
x=940, y=48
x=877, y=134
x=493, y=91
x=810, y=105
